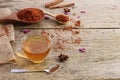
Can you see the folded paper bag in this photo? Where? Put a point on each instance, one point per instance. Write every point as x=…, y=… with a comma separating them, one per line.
x=6, y=35
x=6, y=51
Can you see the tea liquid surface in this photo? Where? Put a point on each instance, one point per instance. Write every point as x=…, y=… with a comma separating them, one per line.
x=36, y=47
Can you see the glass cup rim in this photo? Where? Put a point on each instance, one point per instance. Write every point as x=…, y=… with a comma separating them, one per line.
x=49, y=38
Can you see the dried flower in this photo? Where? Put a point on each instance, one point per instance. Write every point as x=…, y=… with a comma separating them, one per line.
x=63, y=57
x=82, y=50
x=46, y=18
x=25, y=31
x=78, y=17
x=66, y=13
x=66, y=10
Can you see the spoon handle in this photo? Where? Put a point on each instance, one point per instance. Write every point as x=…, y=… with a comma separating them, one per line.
x=24, y=70
x=6, y=20
x=49, y=14
x=10, y=18
x=3, y=20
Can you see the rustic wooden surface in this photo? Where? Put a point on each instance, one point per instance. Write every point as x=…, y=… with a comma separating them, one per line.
x=99, y=33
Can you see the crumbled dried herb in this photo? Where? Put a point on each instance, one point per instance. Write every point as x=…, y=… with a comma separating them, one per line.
x=77, y=23
x=82, y=12
x=78, y=16
x=63, y=57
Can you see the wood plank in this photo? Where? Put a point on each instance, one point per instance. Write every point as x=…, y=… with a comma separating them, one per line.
x=100, y=61
x=98, y=14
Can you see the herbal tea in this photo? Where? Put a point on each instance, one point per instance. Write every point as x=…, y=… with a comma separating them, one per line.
x=36, y=47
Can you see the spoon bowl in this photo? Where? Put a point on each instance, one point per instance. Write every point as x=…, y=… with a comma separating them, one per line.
x=15, y=18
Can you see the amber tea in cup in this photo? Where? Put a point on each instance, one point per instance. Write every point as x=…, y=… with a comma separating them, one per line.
x=36, y=47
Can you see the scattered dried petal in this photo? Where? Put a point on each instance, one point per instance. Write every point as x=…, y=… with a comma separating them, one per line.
x=25, y=31
x=66, y=13
x=82, y=50
x=46, y=18
x=78, y=17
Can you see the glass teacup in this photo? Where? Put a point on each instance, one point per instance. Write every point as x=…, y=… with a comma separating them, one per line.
x=35, y=47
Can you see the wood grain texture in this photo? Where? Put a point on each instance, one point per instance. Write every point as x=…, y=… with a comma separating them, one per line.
x=99, y=34
x=98, y=14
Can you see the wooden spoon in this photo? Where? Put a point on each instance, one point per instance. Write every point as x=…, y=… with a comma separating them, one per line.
x=14, y=18
x=64, y=19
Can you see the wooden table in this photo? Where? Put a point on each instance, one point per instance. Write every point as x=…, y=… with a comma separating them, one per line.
x=99, y=33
